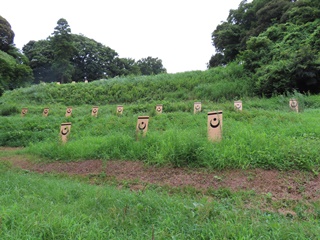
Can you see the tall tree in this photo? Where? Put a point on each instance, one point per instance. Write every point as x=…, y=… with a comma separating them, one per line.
x=92, y=60
x=151, y=66
x=41, y=58
x=63, y=48
x=6, y=35
x=14, y=69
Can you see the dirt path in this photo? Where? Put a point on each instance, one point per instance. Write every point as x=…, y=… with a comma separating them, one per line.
x=292, y=185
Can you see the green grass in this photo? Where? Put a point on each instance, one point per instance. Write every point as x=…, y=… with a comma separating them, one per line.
x=53, y=207
x=266, y=134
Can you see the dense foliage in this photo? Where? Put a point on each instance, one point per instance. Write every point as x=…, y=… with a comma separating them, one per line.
x=277, y=42
x=14, y=69
x=67, y=57
x=216, y=84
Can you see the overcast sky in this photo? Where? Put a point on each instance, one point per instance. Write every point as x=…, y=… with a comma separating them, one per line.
x=176, y=31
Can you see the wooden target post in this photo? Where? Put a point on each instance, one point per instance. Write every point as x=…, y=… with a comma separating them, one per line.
x=215, y=126
x=24, y=112
x=65, y=129
x=142, y=125
x=294, y=105
x=45, y=112
x=68, y=111
x=238, y=105
x=197, y=107
x=159, y=108
x=119, y=109
x=94, y=111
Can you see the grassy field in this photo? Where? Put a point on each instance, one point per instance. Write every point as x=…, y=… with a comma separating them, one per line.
x=55, y=206
x=265, y=134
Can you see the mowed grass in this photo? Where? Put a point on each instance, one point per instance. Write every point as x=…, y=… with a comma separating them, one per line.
x=48, y=206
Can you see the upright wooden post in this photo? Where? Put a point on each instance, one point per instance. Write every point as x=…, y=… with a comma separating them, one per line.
x=215, y=126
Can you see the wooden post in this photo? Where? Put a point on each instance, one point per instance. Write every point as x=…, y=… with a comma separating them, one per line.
x=215, y=126
x=159, y=108
x=94, y=111
x=68, y=111
x=142, y=125
x=119, y=109
x=45, y=112
x=294, y=105
x=238, y=105
x=24, y=112
x=65, y=129
x=197, y=107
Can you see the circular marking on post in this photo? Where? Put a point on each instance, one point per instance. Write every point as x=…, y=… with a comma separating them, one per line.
x=94, y=110
x=45, y=111
x=142, y=125
x=238, y=105
x=293, y=104
x=197, y=107
x=24, y=112
x=65, y=131
x=119, y=109
x=158, y=109
x=215, y=122
x=69, y=110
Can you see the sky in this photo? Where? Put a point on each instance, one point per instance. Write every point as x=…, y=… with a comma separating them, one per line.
x=176, y=31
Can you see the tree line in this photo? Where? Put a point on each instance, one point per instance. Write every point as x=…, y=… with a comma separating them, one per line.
x=277, y=41
x=64, y=57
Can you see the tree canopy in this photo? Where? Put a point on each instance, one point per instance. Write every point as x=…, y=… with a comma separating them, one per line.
x=277, y=41
x=14, y=69
x=6, y=35
x=65, y=56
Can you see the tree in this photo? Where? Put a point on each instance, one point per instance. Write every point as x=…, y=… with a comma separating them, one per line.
x=13, y=74
x=6, y=35
x=14, y=69
x=92, y=60
x=124, y=67
x=63, y=49
x=151, y=66
x=41, y=58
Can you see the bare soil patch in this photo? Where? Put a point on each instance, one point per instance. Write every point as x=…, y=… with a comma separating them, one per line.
x=294, y=185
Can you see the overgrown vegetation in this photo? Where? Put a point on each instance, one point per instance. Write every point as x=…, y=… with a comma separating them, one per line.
x=266, y=134
x=277, y=42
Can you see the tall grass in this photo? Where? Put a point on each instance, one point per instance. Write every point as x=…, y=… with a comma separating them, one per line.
x=265, y=134
x=171, y=87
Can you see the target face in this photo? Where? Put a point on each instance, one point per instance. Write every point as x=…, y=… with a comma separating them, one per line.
x=94, y=111
x=24, y=112
x=45, y=112
x=119, y=109
x=197, y=107
x=293, y=104
x=68, y=111
x=215, y=126
x=215, y=122
x=238, y=105
x=65, y=131
x=159, y=108
x=142, y=124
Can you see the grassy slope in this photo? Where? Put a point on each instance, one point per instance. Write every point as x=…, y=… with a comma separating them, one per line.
x=265, y=134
